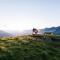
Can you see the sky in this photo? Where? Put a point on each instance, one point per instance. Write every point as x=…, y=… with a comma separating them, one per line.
x=25, y=14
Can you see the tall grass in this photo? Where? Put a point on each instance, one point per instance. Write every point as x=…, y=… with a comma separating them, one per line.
x=25, y=48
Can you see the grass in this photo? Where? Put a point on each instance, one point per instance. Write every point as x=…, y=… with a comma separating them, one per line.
x=26, y=48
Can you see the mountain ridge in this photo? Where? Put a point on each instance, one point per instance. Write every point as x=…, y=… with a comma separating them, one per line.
x=55, y=30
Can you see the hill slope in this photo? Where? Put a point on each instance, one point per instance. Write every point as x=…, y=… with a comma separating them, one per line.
x=25, y=48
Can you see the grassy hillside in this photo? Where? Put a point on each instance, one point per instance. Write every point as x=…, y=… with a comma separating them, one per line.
x=38, y=47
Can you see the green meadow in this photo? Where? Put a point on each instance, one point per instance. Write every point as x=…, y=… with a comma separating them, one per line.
x=30, y=47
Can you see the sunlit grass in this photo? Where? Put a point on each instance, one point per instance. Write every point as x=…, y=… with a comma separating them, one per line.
x=29, y=48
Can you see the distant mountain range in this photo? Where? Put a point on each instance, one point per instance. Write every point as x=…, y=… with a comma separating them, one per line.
x=55, y=30
x=4, y=34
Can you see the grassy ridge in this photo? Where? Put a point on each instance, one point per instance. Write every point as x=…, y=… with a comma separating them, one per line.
x=26, y=48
